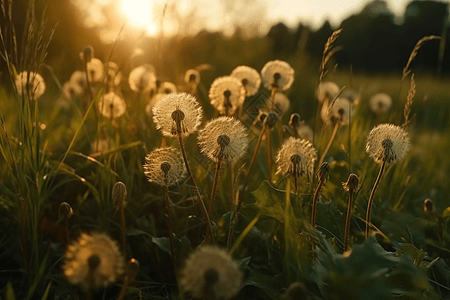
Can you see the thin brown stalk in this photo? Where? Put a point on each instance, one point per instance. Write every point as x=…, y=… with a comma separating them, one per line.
x=169, y=219
x=124, y=229
x=273, y=91
x=330, y=142
x=269, y=156
x=124, y=288
x=372, y=194
x=209, y=232
x=314, y=208
x=409, y=101
x=214, y=187
x=347, y=222
x=258, y=143
x=414, y=52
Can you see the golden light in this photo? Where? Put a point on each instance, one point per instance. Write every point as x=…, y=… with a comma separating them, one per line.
x=139, y=14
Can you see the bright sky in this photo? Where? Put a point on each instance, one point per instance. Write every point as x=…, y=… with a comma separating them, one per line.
x=315, y=12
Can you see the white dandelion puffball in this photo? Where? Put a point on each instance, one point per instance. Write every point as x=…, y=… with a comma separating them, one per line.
x=249, y=77
x=167, y=88
x=79, y=78
x=281, y=103
x=72, y=90
x=387, y=143
x=211, y=273
x=93, y=261
x=114, y=75
x=164, y=166
x=177, y=113
x=142, y=79
x=226, y=94
x=296, y=157
x=192, y=76
x=340, y=111
x=223, y=139
x=327, y=90
x=277, y=73
x=380, y=103
x=30, y=83
x=95, y=70
x=111, y=105
x=305, y=132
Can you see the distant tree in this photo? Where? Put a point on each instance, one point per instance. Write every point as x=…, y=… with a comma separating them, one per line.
x=281, y=39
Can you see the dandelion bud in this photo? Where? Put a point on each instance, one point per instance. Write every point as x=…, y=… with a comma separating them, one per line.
x=119, y=192
x=324, y=172
x=271, y=119
x=65, y=211
x=132, y=270
x=296, y=291
x=192, y=76
x=88, y=53
x=294, y=121
x=352, y=183
x=428, y=206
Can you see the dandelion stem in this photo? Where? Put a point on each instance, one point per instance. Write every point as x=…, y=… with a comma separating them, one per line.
x=347, y=222
x=209, y=231
x=287, y=227
x=269, y=156
x=122, y=222
x=372, y=194
x=330, y=142
x=124, y=288
x=316, y=196
x=258, y=143
x=214, y=188
x=169, y=218
x=273, y=91
x=88, y=82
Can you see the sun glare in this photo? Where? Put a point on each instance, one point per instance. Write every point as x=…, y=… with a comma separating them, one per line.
x=139, y=14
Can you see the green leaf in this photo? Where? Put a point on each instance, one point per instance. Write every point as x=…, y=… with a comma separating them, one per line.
x=47, y=290
x=10, y=292
x=182, y=246
x=446, y=213
x=135, y=231
x=270, y=201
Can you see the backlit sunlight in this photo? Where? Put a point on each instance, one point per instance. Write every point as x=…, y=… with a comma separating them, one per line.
x=139, y=14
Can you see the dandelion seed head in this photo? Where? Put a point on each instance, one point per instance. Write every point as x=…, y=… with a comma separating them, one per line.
x=93, y=261
x=327, y=90
x=30, y=83
x=72, y=90
x=305, y=132
x=277, y=73
x=167, y=88
x=339, y=112
x=212, y=274
x=380, y=103
x=192, y=76
x=164, y=166
x=114, y=75
x=177, y=112
x=387, y=143
x=249, y=77
x=281, y=103
x=226, y=94
x=79, y=78
x=223, y=138
x=95, y=70
x=296, y=157
x=100, y=145
x=142, y=79
x=111, y=106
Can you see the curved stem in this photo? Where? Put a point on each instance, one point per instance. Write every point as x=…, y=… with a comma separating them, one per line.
x=214, y=187
x=330, y=142
x=347, y=222
x=258, y=143
x=369, y=205
x=287, y=227
x=316, y=196
x=209, y=232
x=124, y=230
x=169, y=218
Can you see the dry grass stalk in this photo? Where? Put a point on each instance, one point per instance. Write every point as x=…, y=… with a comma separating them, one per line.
x=414, y=52
x=409, y=101
x=328, y=51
